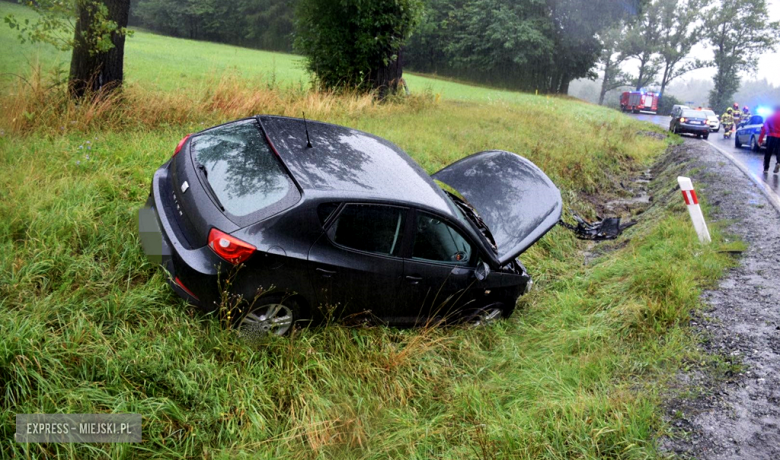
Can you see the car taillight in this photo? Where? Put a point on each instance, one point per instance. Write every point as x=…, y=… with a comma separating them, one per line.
x=181, y=144
x=229, y=248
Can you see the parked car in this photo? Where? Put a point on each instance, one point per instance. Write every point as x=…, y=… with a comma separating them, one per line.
x=689, y=121
x=677, y=109
x=332, y=216
x=713, y=120
x=748, y=132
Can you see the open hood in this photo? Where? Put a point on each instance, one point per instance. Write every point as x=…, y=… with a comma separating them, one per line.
x=517, y=201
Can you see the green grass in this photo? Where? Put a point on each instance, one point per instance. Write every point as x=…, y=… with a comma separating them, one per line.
x=88, y=325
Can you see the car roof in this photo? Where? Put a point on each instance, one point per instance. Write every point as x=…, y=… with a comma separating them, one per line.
x=345, y=163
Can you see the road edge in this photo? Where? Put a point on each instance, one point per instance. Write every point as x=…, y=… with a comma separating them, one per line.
x=774, y=200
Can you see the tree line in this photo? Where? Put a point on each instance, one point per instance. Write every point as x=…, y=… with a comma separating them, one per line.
x=659, y=44
x=520, y=44
x=529, y=45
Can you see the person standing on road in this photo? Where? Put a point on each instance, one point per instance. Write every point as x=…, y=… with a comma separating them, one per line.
x=746, y=114
x=726, y=119
x=736, y=114
x=771, y=130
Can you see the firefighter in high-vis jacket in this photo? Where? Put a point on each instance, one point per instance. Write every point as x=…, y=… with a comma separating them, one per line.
x=727, y=120
x=735, y=112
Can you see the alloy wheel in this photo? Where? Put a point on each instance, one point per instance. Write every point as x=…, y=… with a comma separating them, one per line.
x=275, y=318
x=488, y=316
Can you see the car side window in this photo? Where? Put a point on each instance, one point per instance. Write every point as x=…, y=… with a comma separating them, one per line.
x=370, y=228
x=436, y=240
x=325, y=210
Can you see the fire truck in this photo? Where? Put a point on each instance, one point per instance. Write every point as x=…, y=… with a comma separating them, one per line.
x=639, y=101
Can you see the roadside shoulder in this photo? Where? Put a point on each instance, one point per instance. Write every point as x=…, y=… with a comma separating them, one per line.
x=732, y=411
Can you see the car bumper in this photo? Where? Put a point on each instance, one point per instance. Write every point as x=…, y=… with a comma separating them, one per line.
x=684, y=128
x=192, y=273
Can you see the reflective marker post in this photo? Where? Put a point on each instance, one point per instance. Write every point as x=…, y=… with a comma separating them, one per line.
x=689, y=194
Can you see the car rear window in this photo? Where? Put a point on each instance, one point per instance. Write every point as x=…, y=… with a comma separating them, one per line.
x=243, y=171
x=693, y=114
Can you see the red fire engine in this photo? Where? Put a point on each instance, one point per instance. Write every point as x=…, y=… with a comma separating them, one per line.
x=639, y=101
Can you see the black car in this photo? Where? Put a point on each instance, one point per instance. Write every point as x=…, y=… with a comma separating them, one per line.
x=334, y=217
x=689, y=121
x=748, y=133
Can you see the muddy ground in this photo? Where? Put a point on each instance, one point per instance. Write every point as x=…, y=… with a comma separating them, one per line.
x=732, y=410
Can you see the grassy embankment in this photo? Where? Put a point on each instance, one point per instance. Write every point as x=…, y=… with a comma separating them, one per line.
x=87, y=325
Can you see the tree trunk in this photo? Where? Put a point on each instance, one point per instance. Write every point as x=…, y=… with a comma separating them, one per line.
x=388, y=77
x=92, y=71
x=607, y=79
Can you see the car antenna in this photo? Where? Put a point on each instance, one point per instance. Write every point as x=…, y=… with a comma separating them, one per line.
x=306, y=126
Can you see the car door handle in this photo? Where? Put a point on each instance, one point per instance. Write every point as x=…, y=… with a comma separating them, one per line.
x=326, y=273
x=414, y=279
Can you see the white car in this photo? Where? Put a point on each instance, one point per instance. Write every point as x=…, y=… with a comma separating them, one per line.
x=713, y=120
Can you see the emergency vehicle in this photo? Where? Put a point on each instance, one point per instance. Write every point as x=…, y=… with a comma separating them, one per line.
x=639, y=101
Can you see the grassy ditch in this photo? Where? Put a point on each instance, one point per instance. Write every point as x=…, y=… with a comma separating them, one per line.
x=88, y=325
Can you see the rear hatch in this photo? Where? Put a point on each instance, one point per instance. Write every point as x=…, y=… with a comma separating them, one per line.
x=517, y=201
x=228, y=177
x=694, y=117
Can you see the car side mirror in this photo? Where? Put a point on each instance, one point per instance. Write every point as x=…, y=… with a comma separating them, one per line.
x=482, y=271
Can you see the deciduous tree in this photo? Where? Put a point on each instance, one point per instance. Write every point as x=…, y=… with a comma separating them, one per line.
x=98, y=28
x=356, y=43
x=611, y=61
x=681, y=28
x=738, y=30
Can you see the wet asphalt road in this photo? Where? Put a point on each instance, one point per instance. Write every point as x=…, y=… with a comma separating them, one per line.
x=753, y=162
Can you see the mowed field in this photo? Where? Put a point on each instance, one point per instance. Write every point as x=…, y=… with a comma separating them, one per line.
x=88, y=325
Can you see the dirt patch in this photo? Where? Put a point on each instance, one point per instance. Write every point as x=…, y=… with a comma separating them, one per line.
x=731, y=411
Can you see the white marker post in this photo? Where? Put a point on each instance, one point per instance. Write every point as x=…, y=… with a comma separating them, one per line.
x=689, y=194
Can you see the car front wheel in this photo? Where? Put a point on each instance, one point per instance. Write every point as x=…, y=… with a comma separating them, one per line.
x=487, y=315
x=737, y=143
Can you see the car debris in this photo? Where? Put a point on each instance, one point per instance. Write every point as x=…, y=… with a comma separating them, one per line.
x=603, y=229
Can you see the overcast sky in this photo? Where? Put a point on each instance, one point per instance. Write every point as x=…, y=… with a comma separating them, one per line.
x=768, y=66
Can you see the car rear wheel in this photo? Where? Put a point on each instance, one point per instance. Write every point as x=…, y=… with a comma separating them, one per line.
x=706, y=136
x=271, y=315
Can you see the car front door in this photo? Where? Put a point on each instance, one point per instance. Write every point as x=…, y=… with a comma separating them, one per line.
x=356, y=265
x=439, y=274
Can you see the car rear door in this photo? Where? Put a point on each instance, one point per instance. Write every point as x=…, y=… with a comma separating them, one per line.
x=356, y=264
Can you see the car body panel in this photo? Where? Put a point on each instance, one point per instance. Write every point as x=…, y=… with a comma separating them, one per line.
x=349, y=162
x=750, y=131
x=688, y=121
x=295, y=254
x=517, y=201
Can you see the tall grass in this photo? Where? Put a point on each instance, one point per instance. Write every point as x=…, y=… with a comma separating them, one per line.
x=40, y=102
x=88, y=325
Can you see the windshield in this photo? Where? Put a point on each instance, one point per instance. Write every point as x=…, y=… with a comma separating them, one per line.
x=709, y=113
